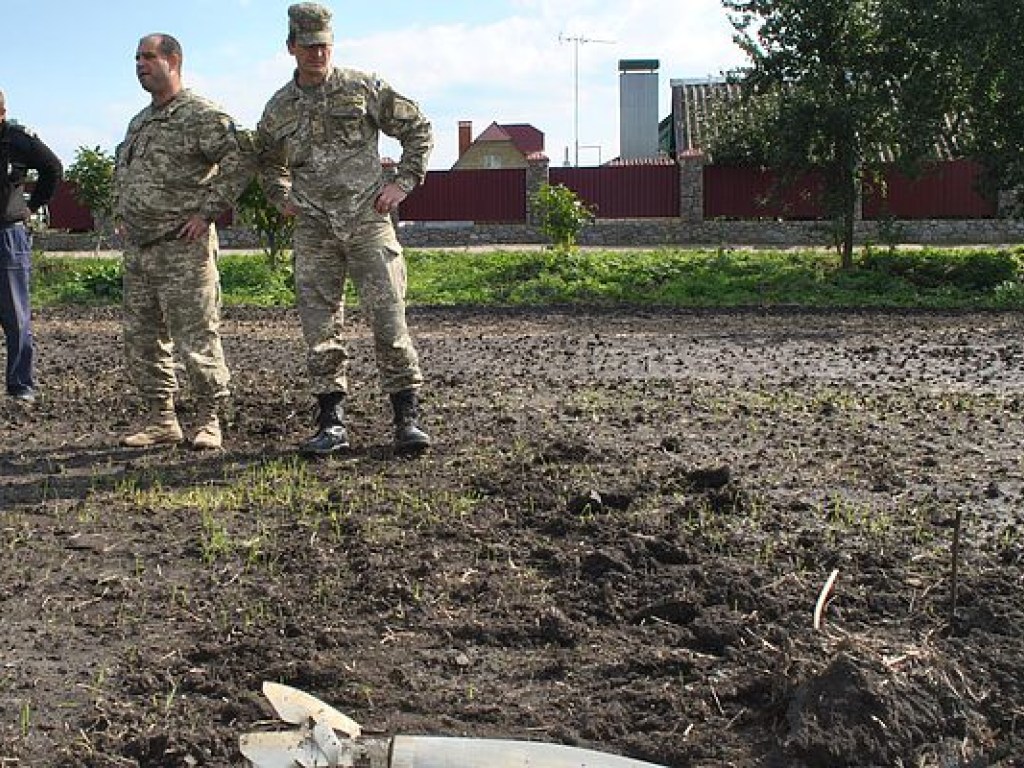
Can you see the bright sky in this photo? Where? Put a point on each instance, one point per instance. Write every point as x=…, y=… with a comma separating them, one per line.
x=67, y=66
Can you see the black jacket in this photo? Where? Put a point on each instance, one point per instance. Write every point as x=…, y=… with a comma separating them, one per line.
x=21, y=151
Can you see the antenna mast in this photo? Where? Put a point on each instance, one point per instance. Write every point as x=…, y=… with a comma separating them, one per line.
x=577, y=41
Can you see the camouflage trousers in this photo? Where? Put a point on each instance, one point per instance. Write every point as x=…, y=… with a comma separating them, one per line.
x=172, y=300
x=369, y=254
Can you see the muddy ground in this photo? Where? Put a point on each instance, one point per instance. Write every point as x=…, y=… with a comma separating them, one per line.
x=617, y=543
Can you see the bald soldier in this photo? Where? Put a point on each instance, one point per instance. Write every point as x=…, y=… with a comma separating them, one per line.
x=319, y=161
x=181, y=164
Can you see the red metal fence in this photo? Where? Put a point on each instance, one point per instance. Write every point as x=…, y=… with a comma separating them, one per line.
x=470, y=195
x=946, y=190
x=624, y=192
x=66, y=212
x=741, y=192
x=69, y=215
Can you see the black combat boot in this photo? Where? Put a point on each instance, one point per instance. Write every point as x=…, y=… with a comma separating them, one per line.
x=331, y=436
x=409, y=438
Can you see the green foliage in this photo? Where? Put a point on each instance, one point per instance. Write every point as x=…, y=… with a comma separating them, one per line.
x=980, y=271
x=561, y=215
x=77, y=280
x=719, y=278
x=273, y=228
x=246, y=279
x=983, y=42
x=92, y=174
x=744, y=128
x=948, y=279
x=850, y=82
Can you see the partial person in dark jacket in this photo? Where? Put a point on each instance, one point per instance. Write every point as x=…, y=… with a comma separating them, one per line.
x=20, y=151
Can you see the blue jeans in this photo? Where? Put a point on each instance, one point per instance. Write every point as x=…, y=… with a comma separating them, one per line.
x=15, y=306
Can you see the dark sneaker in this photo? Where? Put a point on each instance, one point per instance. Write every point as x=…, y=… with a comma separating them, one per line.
x=27, y=396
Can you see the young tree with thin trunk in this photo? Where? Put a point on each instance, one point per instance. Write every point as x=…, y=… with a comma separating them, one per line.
x=853, y=86
x=92, y=174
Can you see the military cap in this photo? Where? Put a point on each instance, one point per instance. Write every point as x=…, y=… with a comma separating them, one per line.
x=310, y=23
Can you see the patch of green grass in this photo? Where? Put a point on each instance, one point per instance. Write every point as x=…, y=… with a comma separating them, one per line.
x=976, y=278
x=250, y=279
x=947, y=278
x=89, y=281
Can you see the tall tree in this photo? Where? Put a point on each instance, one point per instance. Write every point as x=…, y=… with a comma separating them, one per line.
x=985, y=39
x=851, y=88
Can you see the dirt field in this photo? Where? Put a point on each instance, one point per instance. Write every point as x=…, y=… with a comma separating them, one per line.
x=618, y=542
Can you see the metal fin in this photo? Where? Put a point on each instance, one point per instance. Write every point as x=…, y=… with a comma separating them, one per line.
x=280, y=749
x=295, y=706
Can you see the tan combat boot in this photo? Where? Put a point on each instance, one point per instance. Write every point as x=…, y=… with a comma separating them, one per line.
x=163, y=428
x=208, y=436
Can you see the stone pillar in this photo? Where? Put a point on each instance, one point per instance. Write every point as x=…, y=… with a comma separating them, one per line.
x=536, y=177
x=691, y=186
x=1008, y=203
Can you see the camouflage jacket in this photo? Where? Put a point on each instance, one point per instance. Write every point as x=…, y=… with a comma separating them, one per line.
x=318, y=147
x=176, y=161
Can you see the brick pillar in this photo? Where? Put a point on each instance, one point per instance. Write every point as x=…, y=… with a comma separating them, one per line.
x=691, y=186
x=536, y=177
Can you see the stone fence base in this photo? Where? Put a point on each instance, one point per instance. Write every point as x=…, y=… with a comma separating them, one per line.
x=648, y=233
x=642, y=233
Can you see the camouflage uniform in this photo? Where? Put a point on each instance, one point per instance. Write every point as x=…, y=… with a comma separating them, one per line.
x=319, y=151
x=179, y=160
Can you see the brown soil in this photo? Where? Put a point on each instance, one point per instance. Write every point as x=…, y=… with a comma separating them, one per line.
x=617, y=543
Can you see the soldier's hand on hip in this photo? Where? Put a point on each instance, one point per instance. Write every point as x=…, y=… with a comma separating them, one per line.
x=389, y=198
x=194, y=229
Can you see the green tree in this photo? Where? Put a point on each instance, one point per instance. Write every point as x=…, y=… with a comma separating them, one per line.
x=854, y=83
x=561, y=214
x=92, y=174
x=273, y=228
x=984, y=39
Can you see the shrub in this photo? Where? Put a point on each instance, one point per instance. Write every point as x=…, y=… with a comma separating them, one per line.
x=561, y=214
x=981, y=270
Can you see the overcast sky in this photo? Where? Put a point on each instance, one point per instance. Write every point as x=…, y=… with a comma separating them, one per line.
x=67, y=66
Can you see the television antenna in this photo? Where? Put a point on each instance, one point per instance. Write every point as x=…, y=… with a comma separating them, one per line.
x=577, y=41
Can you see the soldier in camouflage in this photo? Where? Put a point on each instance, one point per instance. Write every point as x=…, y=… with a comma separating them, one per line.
x=181, y=164
x=319, y=160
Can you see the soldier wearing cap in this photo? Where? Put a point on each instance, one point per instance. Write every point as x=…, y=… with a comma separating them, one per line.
x=181, y=164
x=319, y=160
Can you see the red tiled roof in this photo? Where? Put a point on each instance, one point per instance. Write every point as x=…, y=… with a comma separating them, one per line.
x=493, y=132
x=525, y=138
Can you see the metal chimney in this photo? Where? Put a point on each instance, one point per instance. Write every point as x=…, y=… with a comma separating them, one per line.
x=638, y=108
